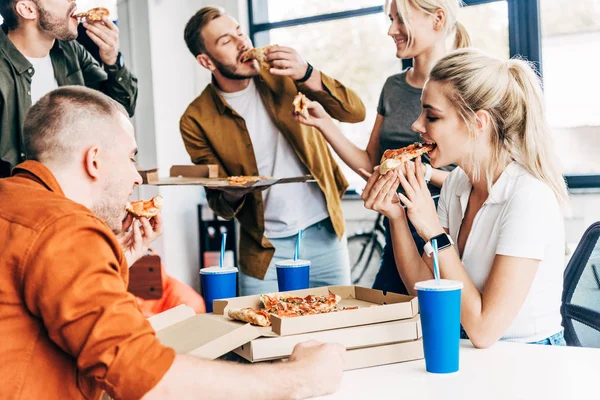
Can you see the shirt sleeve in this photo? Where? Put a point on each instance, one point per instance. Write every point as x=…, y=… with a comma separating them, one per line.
x=121, y=85
x=73, y=282
x=526, y=223
x=201, y=152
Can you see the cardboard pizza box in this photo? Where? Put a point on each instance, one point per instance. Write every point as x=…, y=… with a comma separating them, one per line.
x=211, y=336
x=356, y=337
x=375, y=306
x=208, y=176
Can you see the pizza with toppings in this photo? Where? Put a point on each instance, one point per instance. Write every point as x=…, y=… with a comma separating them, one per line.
x=300, y=105
x=143, y=208
x=392, y=159
x=258, y=54
x=93, y=15
x=286, y=306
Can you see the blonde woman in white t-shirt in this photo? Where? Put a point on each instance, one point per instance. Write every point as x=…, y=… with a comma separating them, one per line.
x=500, y=212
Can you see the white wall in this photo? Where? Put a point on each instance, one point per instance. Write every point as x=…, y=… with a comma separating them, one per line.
x=169, y=79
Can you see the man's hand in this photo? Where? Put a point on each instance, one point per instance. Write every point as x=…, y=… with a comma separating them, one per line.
x=106, y=36
x=286, y=62
x=321, y=365
x=137, y=235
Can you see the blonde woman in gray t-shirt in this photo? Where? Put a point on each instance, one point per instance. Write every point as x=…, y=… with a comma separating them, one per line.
x=420, y=29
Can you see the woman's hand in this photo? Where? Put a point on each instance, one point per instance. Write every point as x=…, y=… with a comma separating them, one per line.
x=380, y=194
x=420, y=207
x=317, y=116
x=137, y=235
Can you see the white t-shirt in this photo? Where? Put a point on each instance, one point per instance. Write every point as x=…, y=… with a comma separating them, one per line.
x=288, y=207
x=43, y=80
x=520, y=218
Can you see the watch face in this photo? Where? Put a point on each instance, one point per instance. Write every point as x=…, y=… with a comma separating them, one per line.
x=442, y=240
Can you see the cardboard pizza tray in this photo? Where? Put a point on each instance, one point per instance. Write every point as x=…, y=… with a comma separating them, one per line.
x=375, y=306
x=208, y=176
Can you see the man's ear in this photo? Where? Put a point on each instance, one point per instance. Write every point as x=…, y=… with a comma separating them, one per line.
x=206, y=62
x=91, y=162
x=27, y=9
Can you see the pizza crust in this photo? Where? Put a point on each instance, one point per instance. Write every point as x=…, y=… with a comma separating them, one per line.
x=250, y=315
x=147, y=209
x=242, y=180
x=93, y=15
x=300, y=105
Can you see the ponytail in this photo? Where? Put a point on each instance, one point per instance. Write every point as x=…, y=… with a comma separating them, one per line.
x=461, y=37
x=535, y=150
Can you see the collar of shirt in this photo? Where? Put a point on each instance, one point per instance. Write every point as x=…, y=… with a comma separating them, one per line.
x=37, y=171
x=13, y=54
x=500, y=190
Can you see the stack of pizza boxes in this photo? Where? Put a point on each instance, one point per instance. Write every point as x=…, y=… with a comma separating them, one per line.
x=376, y=328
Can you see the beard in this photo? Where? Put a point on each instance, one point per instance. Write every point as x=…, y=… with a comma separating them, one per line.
x=56, y=26
x=230, y=70
x=109, y=209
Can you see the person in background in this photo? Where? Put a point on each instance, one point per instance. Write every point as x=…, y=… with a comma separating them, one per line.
x=38, y=53
x=69, y=328
x=242, y=122
x=420, y=29
x=499, y=223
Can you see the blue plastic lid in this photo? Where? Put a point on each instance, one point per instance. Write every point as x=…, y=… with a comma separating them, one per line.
x=444, y=285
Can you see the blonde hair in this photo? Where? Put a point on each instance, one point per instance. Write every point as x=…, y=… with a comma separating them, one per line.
x=450, y=8
x=511, y=92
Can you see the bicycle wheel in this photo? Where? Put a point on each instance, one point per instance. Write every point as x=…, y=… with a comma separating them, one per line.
x=365, y=257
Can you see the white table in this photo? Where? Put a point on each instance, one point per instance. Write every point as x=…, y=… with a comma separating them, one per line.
x=504, y=371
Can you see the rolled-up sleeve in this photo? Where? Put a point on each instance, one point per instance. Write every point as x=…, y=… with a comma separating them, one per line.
x=73, y=282
x=340, y=102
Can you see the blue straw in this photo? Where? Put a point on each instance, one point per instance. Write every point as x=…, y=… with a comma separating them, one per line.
x=436, y=265
x=298, y=239
x=222, y=249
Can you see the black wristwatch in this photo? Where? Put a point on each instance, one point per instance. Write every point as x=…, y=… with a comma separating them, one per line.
x=443, y=241
x=309, y=71
x=116, y=67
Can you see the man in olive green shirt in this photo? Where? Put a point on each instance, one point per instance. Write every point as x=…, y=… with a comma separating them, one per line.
x=38, y=52
x=243, y=123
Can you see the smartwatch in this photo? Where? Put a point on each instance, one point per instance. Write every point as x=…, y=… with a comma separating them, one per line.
x=443, y=240
x=428, y=172
x=309, y=71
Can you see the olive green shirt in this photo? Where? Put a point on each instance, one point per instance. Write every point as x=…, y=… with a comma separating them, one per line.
x=73, y=65
x=214, y=133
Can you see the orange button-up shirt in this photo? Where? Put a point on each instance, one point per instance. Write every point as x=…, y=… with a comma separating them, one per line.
x=68, y=327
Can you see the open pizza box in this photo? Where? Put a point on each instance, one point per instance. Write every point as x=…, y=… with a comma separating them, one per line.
x=208, y=176
x=385, y=329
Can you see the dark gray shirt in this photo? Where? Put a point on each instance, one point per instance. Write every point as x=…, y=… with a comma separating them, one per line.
x=400, y=106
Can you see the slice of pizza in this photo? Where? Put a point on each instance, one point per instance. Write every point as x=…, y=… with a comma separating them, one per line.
x=143, y=208
x=93, y=15
x=258, y=54
x=301, y=105
x=242, y=180
x=392, y=159
x=250, y=315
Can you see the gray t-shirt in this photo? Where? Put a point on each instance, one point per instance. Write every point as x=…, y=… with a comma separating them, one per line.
x=400, y=106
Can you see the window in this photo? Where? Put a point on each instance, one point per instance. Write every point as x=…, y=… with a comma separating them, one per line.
x=277, y=10
x=571, y=81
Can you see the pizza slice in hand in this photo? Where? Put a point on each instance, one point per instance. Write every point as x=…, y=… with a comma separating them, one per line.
x=258, y=54
x=143, y=208
x=392, y=159
x=301, y=105
x=93, y=15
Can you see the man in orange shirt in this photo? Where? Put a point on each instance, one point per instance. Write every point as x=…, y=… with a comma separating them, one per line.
x=69, y=327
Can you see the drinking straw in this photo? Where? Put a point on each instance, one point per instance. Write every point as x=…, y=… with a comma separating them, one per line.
x=298, y=239
x=436, y=265
x=224, y=237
